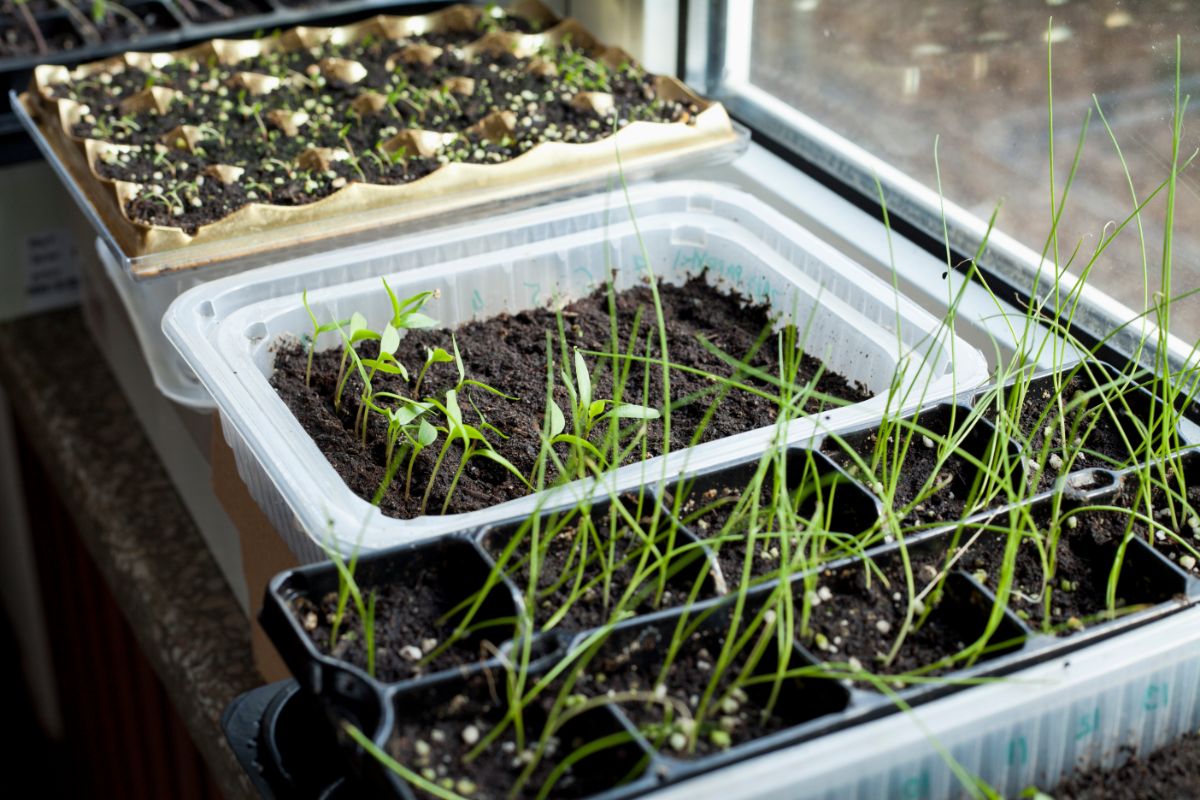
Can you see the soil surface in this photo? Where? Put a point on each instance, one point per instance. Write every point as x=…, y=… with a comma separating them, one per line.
x=561, y=577
x=220, y=10
x=1183, y=517
x=858, y=619
x=407, y=630
x=432, y=739
x=1070, y=446
x=708, y=514
x=636, y=665
x=1172, y=773
x=1079, y=584
x=509, y=352
x=943, y=498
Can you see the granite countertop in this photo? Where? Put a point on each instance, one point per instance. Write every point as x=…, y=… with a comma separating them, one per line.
x=134, y=525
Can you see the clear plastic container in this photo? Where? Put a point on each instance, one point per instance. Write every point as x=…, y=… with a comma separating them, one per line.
x=1093, y=708
x=146, y=300
x=850, y=316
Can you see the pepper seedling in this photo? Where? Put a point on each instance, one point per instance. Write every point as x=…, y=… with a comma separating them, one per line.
x=318, y=329
x=587, y=412
x=474, y=444
x=407, y=422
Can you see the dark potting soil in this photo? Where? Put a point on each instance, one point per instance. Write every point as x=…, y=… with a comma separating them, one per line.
x=1104, y=446
x=856, y=619
x=18, y=41
x=508, y=352
x=943, y=499
x=1170, y=773
x=1183, y=517
x=1078, y=588
x=560, y=575
x=406, y=617
x=635, y=666
x=433, y=738
x=709, y=512
x=326, y=138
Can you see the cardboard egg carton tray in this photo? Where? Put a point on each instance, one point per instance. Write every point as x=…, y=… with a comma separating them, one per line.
x=357, y=206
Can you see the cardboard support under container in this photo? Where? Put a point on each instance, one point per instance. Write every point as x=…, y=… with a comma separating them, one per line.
x=264, y=552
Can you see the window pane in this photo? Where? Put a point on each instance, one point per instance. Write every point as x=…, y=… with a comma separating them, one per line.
x=889, y=75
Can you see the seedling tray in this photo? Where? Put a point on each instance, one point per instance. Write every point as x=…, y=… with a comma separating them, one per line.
x=169, y=27
x=310, y=505
x=816, y=709
x=457, y=166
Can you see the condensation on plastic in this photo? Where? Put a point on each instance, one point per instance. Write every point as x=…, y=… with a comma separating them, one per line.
x=848, y=315
x=1133, y=693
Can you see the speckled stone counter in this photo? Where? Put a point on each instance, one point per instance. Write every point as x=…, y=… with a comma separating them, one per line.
x=134, y=524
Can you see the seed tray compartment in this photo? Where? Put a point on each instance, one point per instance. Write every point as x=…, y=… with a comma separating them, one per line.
x=68, y=40
x=1167, y=586
x=945, y=426
x=606, y=766
x=1138, y=691
x=697, y=501
x=1120, y=420
x=280, y=737
x=301, y=494
x=156, y=245
x=455, y=561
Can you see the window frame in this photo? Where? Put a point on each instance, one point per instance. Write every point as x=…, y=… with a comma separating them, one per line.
x=714, y=56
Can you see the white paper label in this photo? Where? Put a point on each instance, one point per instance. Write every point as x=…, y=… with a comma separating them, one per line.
x=51, y=270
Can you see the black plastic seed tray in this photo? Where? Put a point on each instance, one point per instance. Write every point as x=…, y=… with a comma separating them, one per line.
x=169, y=28
x=1151, y=586
x=280, y=736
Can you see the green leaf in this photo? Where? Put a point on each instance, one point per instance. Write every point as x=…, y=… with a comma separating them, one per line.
x=453, y=412
x=359, y=330
x=389, y=366
x=583, y=380
x=632, y=411
x=415, y=302
x=437, y=356
x=582, y=444
x=471, y=432
x=406, y=414
x=570, y=386
x=389, y=341
x=558, y=422
x=486, y=388
x=458, y=362
x=596, y=409
x=417, y=320
x=426, y=434
x=396, y=308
